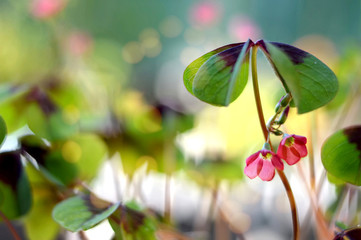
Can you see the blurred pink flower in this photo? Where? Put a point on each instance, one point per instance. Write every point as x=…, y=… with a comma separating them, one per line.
x=78, y=43
x=263, y=164
x=292, y=148
x=242, y=28
x=205, y=13
x=43, y=9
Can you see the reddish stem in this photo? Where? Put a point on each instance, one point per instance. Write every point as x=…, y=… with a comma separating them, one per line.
x=10, y=226
x=291, y=199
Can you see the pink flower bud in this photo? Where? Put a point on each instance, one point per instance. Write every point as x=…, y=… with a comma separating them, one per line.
x=263, y=164
x=292, y=148
x=43, y=9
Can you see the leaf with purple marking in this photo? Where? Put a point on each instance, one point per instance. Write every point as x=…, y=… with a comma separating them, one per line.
x=129, y=222
x=15, y=193
x=351, y=233
x=311, y=83
x=82, y=212
x=219, y=77
x=341, y=155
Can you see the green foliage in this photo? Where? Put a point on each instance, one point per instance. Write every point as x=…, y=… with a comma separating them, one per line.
x=311, y=83
x=15, y=193
x=87, y=152
x=82, y=212
x=3, y=130
x=40, y=213
x=219, y=77
x=49, y=161
x=128, y=223
x=341, y=155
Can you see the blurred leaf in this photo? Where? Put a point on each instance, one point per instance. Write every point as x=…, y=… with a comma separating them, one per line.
x=12, y=112
x=334, y=180
x=8, y=92
x=129, y=223
x=87, y=152
x=52, y=126
x=50, y=162
x=3, y=130
x=40, y=213
x=15, y=193
x=221, y=170
x=311, y=83
x=57, y=169
x=349, y=234
x=219, y=76
x=341, y=155
x=82, y=212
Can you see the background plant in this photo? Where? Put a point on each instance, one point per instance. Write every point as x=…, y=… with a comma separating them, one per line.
x=84, y=99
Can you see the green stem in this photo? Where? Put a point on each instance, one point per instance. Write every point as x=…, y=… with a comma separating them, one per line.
x=10, y=226
x=291, y=199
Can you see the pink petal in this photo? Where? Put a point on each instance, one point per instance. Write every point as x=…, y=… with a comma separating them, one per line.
x=277, y=162
x=300, y=139
x=267, y=172
x=301, y=149
x=252, y=169
x=282, y=151
x=251, y=158
x=293, y=156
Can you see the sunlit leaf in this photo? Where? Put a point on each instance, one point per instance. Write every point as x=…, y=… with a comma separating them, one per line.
x=40, y=213
x=341, y=155
x=219, y=76
x=87, y=152
x=128, y=222
x=15, y=194
x=3, y=130
x=311, y=83
x=8, y=91
x=82, y=212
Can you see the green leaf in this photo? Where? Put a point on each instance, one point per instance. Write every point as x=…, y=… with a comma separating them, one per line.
x=128, y=222
x=50, y=162
x=15, y=193
x=219, y=76
x=341, y=155
x=87, y=152
x=3, y=130
x=82, y=212
x=40, y=214
x=311, y=83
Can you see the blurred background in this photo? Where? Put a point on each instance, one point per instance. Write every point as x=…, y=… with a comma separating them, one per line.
x=103, y=80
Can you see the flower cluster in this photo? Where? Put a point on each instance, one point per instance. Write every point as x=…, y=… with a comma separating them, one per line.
x=264, y=162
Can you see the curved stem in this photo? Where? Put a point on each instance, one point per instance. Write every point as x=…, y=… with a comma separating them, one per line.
x=10, y=226
x=256, y=92
x=291, y=199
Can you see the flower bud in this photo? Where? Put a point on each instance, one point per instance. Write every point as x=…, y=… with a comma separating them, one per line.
x=282, y=119
x=277, y=132
x=283, y=102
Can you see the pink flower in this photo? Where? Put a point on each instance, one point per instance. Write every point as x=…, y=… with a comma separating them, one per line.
x=292, y=148
x=205, y=13
x=79, y=43
x=43, y=9
x=242, y=28
x=263, y=164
